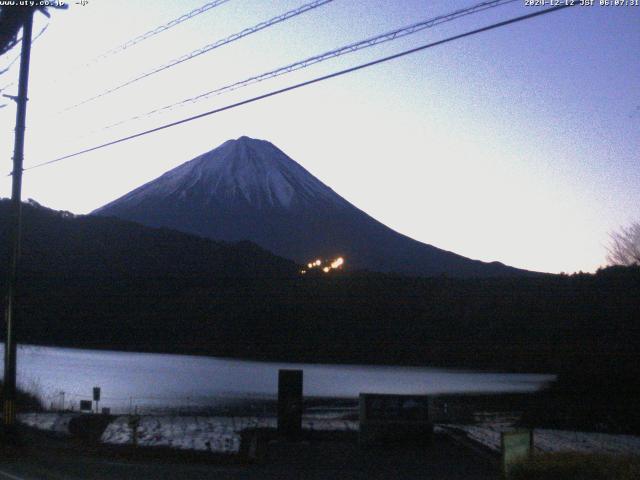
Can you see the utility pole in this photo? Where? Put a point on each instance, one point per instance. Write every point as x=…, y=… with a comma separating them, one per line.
x=9, y=391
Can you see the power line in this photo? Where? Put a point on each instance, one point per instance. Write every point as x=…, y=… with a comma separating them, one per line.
x=12, y=17
x=207, y=48
x=353, y=47
x=10, y=25
x=10, y=64
x=17, y=57
x=306, y=83
x=162, y=28
x=140, y=38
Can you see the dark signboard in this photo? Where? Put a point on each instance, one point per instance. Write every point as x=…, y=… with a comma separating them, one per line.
x=394, y=419
x=96, y=394
x=86, y=405
x=409, y=408
x=290, y=402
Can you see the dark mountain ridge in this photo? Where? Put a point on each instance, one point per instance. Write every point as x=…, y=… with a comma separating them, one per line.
x=61, y=244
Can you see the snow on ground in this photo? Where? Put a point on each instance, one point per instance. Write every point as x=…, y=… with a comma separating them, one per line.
x=222, y=434
x=330, y=425
x=215, y=434
x=557, y=440
x=53, y=422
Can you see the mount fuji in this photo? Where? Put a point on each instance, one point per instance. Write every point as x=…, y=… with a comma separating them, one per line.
x=248, y=189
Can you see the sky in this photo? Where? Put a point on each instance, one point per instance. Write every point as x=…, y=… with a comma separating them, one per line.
x=518, y=145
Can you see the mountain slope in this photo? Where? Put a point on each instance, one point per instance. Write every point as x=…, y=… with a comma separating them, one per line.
x=248, y=189
x=65, y=246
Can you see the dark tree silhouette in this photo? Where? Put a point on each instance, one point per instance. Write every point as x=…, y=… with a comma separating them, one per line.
x=624, y=246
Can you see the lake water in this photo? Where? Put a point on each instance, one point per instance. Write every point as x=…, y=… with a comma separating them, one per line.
x=160, y=380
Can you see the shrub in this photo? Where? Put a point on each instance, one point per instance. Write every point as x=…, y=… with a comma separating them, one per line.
x=25, y=401
x=577, y=466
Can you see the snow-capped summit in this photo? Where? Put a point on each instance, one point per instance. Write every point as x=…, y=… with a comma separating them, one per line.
x=248, y=189
x=246, y=171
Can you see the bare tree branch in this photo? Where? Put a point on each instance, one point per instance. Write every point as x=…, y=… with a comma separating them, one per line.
x=624, y=246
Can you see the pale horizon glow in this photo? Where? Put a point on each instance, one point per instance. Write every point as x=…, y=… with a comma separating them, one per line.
x=518, y=145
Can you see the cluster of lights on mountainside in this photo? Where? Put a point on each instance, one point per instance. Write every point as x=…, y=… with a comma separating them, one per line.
x=328, y=266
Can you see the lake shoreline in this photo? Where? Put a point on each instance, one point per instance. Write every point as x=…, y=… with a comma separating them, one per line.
x=64, y=376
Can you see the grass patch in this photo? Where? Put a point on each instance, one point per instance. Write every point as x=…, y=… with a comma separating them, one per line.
x=577, y=466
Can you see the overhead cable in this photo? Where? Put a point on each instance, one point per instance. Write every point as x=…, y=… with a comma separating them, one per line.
x=353, y=47
x=207, y=48
x=159, y=29
x=305, y=83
